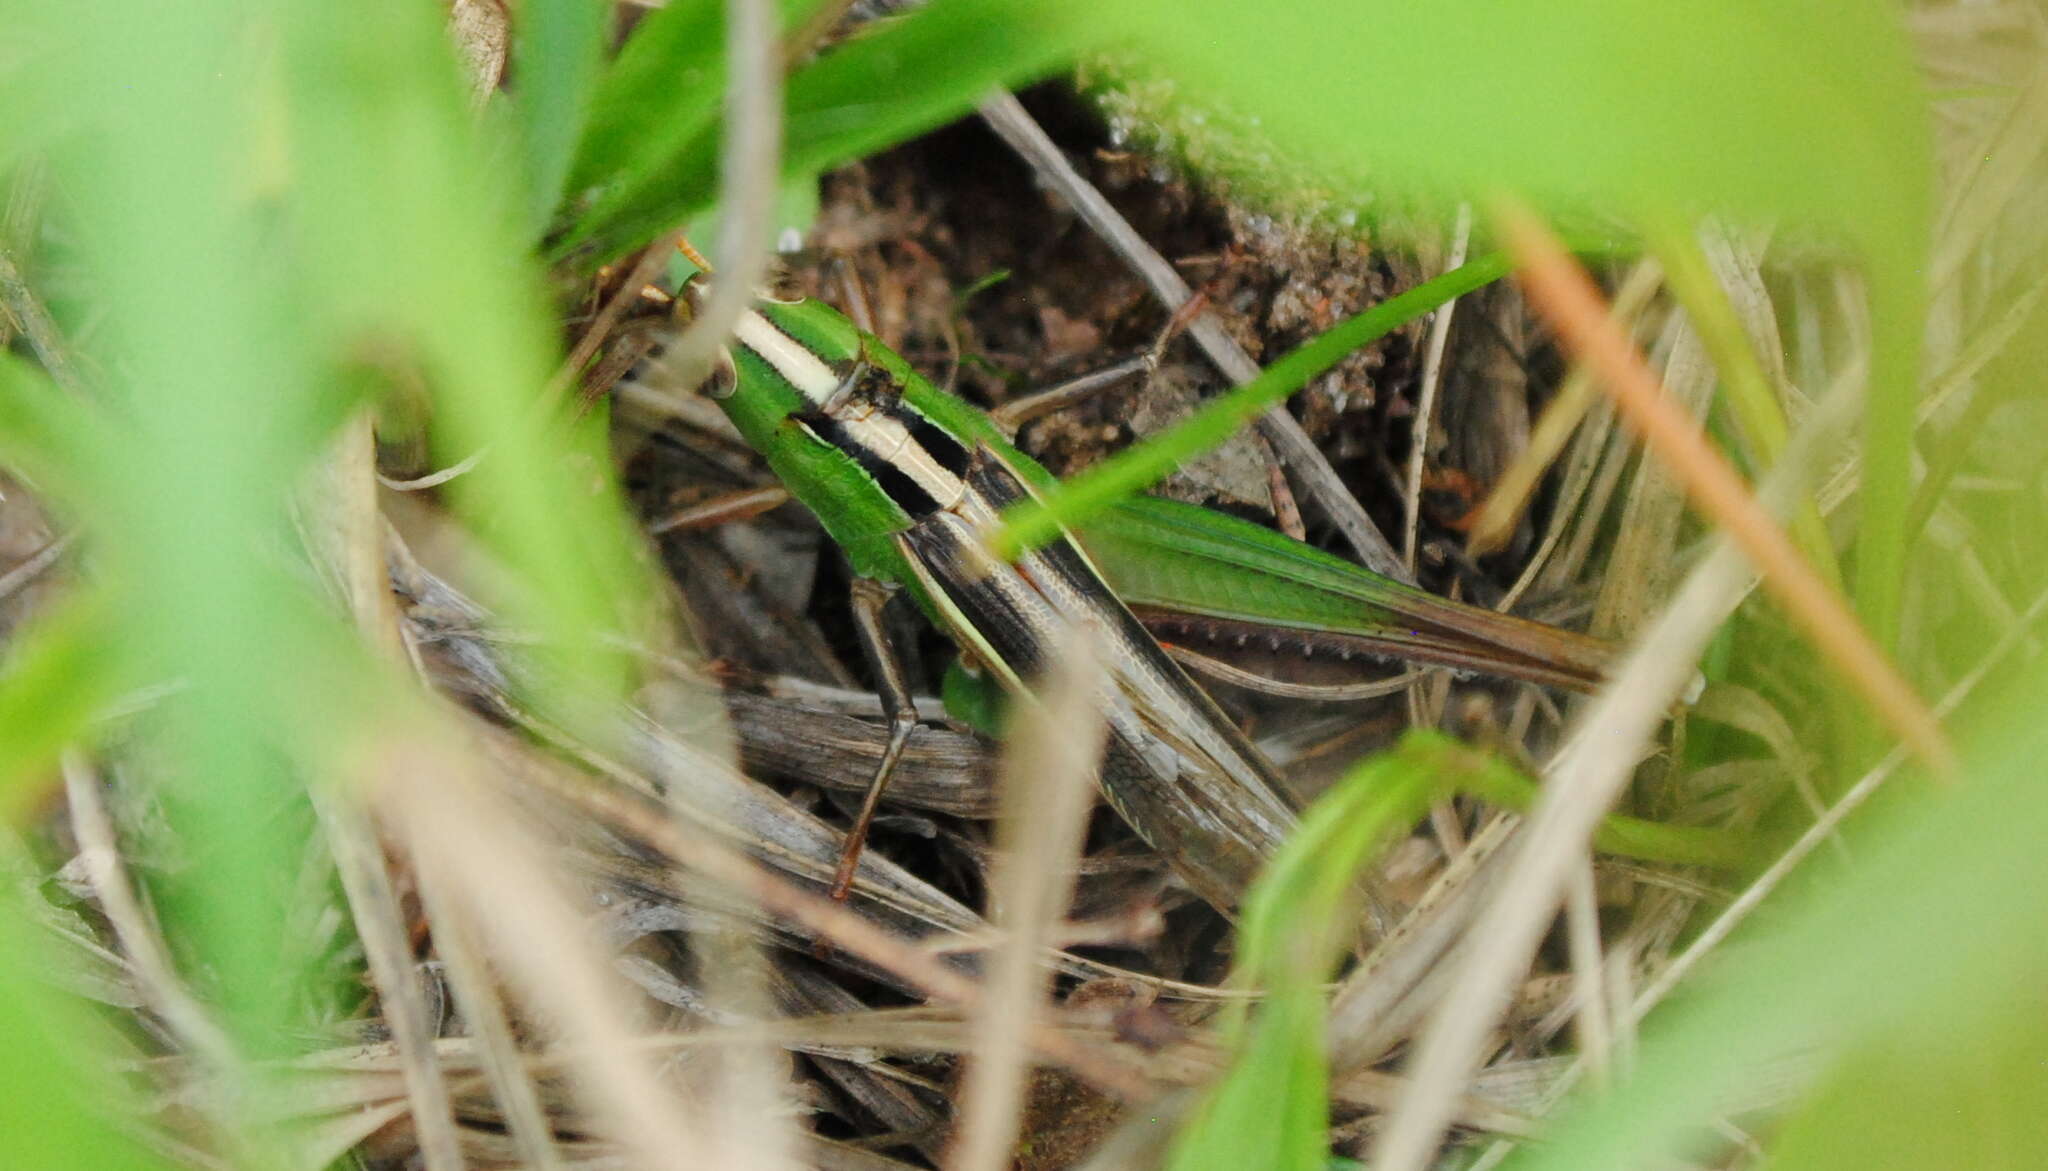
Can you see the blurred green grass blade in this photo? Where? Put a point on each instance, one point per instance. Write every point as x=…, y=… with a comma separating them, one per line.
x=1497, y=781
x=1271, y=1108
x=1763, y=109
x=1139, y=467
x=199, y=341
x=412, y=241
x=1973, y=1099
x=663, y=89
x=663, y=94
x=58, y=441
x=557, y=49
x=1933, y=944
x=58, y=675
x=906, y=76
x=60, y=1110
x=40, y=102
x=1898, y=316
x=919, y=72
x=1768, y=111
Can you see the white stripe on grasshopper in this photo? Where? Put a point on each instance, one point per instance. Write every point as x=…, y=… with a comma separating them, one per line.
x=877, y=432
x=798, y=366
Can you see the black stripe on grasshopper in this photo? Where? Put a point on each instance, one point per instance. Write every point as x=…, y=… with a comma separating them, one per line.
x=897, y=484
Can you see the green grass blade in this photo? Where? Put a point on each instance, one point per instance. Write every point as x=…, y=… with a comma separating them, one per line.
x=57, y=1100
x=58, y=676
x=661, y=93
x=1271, y=1108
x=1628, y=837
x=906, y=76
x=1134, y=470
x=557, y=49
x=379, y=170
x=1884, y=503
x=184, y=506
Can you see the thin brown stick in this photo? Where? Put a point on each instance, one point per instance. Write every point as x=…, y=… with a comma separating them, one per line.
x=721, y=510
x=1564, y=294
x=156, y=977
x=1432, y=379
x=1015, y=126
x=355, y=546
x=645, y=270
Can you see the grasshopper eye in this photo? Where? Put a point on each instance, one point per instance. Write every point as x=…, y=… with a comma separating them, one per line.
x=724, y=378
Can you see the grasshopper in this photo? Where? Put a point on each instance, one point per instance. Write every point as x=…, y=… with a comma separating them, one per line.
x=911, y=482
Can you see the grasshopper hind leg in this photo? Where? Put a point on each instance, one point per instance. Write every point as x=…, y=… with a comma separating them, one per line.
x=870, y=597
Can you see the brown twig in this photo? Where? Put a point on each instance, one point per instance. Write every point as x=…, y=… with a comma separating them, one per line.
x=356, y=550
x=648, y=267
x=1008, y=118
x=1432, y=379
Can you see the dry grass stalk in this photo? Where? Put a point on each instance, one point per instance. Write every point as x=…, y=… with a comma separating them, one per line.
x=493, y=874
x=1048, y=789
x=1432, y=380
x=749, y=169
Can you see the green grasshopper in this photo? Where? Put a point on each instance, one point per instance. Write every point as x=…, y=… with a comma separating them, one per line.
x=911, y=482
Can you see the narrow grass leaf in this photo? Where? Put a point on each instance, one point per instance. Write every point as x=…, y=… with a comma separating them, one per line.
x=58, y=675
x=660, y=93
x=905, y=76
x=557, y=49
x=1502, y=784
x=1271, y=1108
x=1132, y=471
x=198, y=345
x=411, y=243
